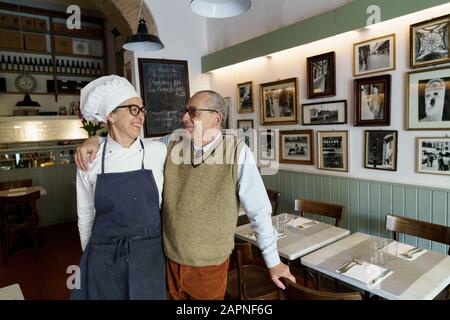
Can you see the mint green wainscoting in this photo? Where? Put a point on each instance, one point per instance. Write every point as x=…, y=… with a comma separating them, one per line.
x=366, y=202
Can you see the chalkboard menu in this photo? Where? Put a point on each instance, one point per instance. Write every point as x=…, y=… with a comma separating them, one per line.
x=165, y=90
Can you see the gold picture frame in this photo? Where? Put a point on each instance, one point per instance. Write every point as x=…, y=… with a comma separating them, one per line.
x=278, y=102
x=333, y=152
x=245, y=97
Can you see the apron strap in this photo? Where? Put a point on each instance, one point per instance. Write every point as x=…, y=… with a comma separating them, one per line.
x=143, y=152
x=103, y=156
x=104, y=151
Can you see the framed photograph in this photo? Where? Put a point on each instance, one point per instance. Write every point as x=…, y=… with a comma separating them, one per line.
x=245, y=133
x=267, y=144
x=428, y=103
x=127, y=71
x=245, y=97
x=279, y=102
x=372, y=101
x=324, y=113
x=227, y=122
x=375, y=55
x=297, y=146
x=333, y=150
x=165, y=91
x=433, y=155
x=381, y=150
x=321, y=71
x=429, y=42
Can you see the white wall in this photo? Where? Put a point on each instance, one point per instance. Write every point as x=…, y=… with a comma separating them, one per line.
x=184, y=36
x=292, y=63
x=264, y=16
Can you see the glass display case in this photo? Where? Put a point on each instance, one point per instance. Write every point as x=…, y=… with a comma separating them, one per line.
x=37, y=156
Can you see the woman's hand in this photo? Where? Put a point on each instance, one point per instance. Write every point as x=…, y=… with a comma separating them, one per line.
x=86, y=152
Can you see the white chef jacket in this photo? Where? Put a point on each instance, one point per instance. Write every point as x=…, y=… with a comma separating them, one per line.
x=117, y=159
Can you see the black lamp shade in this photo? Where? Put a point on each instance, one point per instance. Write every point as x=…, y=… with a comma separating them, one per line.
x=142, y=40
x=27, y=102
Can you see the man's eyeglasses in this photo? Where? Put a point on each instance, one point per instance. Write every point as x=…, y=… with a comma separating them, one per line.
x=134, y=109
x=193, y=111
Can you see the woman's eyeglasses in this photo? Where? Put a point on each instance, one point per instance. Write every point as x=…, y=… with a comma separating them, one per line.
x=193, y=111
x=134, y=109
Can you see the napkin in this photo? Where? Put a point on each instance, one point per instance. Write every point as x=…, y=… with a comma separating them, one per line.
x=403, y=248
x=368, y=273
x=252, y=236
x=15, y=194
x=302, y=223
x=17, y=189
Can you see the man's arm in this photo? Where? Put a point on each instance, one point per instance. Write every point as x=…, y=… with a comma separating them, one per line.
x=256, y=203
x=87, y=151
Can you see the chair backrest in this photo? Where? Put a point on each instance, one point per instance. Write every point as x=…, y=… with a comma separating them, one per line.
x=321, y=208
x=421, y=229
x=274, y=197
x=20, y=204
x=15, y=184
x=296, y=291
x=243, y=252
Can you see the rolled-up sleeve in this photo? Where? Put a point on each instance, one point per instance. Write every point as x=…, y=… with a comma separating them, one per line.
x=85, y=207
x=256, y=204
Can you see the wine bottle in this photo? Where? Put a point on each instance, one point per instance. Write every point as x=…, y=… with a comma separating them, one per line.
x=35, y=65
x=9, y=65
x=58, y=67
x=20, y=64
x=15, y=65
x=41, y=65
x=63, y=67
x=3, y=63
x=92, y=69
x=78, y=69
x=26, y=67
x=83, y=70
x=99, y=69
x=50, y=65
x=45, y=65
x=73, y=68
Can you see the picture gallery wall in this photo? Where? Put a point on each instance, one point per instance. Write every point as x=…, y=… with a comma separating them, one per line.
x=371, y=103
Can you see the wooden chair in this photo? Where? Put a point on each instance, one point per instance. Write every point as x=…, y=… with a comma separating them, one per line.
x=15, y=184
x=417, y=228
x=274, y=197
x=295, y=291
x=19, y=213
x=321, y=208
x=421, y=229
x=334, y=211
x=249, y=281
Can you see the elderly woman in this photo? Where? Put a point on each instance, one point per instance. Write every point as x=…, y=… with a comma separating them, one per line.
x=119, y=200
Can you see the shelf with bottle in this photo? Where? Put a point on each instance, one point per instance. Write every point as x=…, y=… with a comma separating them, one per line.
x=78, y=68
x=20, y=63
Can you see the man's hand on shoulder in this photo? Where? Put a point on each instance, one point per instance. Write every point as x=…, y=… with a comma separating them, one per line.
x=86, y=152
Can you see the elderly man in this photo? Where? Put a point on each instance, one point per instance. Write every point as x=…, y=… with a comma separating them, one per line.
x=201, y=200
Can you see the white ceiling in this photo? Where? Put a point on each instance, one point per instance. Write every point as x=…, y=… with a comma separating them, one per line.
x=264, y=16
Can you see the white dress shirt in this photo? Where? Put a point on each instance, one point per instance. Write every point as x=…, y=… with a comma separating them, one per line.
x=117, y=159
x=254, y=200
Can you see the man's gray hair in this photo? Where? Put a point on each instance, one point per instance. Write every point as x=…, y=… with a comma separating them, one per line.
x=215, y=102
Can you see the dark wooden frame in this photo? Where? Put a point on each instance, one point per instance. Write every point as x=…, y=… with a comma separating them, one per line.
x=319, y=150
x=310, y=133
x=325, y=102
x=141, y=62
x=412, y=40
x=243, y=120
x=274, y=146
x=386, y=80
x=394, y=151
x=262, y=102
x=408, y=125
x=331, y=57
x=355, y=54
x=252, y=95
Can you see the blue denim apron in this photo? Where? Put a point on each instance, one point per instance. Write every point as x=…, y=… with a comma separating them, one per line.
x=124, y=258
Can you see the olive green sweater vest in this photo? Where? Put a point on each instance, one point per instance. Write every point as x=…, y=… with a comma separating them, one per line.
x=200, y=203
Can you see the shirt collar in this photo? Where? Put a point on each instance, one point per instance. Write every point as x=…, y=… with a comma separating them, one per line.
x=208, y=146
x=113, y=145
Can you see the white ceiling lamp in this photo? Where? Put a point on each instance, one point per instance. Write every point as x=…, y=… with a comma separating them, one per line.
x=220, y=8
x=142, y=40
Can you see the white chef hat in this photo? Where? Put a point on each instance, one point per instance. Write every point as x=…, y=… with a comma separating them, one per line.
x=101, y=96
